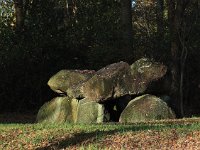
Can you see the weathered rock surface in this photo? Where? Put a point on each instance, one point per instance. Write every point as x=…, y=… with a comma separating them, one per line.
x=146, y=108
x=91, y=112
x=106, y=92
x=58, y=110
x=119, y=79
x=66, y=79
x=113, y=81
x=144, y=71
x=76, y=91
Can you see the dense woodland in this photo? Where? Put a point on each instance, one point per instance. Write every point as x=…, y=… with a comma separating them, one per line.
x=40, y=37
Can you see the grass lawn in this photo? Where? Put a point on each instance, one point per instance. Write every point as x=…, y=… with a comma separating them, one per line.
x=166, y=134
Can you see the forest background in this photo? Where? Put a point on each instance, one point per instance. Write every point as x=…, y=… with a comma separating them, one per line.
x=40, y=37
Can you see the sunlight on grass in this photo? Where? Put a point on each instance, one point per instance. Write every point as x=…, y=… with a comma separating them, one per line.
x=82, y=136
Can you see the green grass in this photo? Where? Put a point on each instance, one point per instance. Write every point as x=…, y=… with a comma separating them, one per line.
x=32, y=136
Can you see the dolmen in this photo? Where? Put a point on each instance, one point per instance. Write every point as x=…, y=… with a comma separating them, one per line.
x=116, y=92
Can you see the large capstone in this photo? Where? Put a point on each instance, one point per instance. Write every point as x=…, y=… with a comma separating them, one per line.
x=146, y=108
x=120, y=79
x=58, y=110
x=66, y=79
x=91, y=112
x=110, y=82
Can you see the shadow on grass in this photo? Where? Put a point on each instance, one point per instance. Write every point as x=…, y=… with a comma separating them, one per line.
x=84, y=139
x=79, y=139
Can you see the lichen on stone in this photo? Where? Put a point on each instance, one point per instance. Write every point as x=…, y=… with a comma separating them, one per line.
x=145, y=108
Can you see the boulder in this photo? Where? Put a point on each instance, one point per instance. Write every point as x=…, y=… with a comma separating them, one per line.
x=119, y=79
x=144, y=71
x=91, y=112
x=146, y=108
x=110, y=82
x=66, y=79
x=58, y=110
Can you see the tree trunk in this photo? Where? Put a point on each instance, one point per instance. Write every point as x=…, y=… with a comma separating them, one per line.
x=160, y=18
x=69, y=11
x=176, y=11
x=127, y=34
x=71, y=8
x=173, y=27
x=19, y=14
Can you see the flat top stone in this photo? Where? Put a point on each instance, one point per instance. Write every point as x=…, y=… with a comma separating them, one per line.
x=110, y=81
x=111, y=69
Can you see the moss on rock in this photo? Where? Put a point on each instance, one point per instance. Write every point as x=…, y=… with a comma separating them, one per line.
x=119, y=79
x=145, y=108
x=58, y=110
x=144, y=71
x=112, y=81
x=91, y=112
x=66, y=79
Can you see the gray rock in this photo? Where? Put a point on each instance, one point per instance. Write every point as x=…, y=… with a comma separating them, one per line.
x=144, y=71
x=110, y=82
x=146, y=108
x=91, y=112
x=120, y=79
x=58, y=110
x=65, y=80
